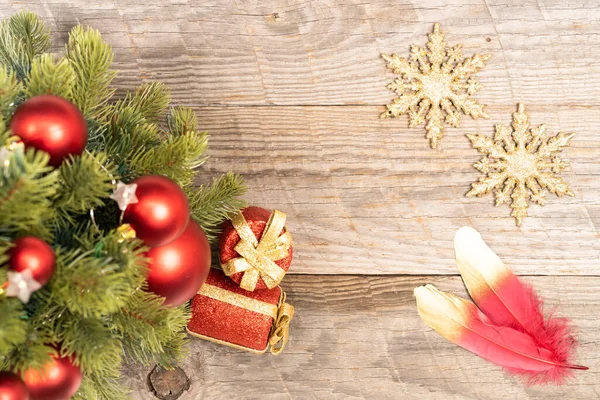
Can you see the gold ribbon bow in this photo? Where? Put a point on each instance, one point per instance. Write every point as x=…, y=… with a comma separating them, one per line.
x=281, y=327
x=258, y=258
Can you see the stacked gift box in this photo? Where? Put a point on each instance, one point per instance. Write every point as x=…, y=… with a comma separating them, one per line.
x=241, y=304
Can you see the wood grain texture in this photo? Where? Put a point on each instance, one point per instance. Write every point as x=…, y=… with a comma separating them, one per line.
x=366, y=195
x=291, y=93
x=361, y=337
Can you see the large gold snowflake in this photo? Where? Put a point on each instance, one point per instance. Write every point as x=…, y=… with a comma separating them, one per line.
x=520, y=163
x=435, y=85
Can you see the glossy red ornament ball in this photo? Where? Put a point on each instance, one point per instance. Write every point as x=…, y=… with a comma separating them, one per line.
x=32, y=253
x=179, y=268
x=257, y=219
x=51, y=124
x=161, y=213
x=57, y=380
x=12, y=387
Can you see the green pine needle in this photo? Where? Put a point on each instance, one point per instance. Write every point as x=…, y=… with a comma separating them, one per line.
x=150, y=99
x=91, y=59
x=86, y=184
x=47, y=76
x=10, y=89
x=23, y=37
x=211, y=205
x=27, y=186
x=182, y=120
x=13, y=327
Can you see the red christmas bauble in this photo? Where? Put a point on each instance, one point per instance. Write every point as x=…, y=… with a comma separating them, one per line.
x=161, y=213
x=179, y=268
x=31, y=253
x=257, y=219
x=57, y=380
x=51, y=124
x=12, y=387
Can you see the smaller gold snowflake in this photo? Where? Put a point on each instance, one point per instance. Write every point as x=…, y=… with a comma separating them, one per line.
x=520, y=163
x=435, y=86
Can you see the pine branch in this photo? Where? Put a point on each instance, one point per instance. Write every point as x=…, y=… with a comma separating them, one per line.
x=26, y=188
x=13, y=327
x=23, y=37
x=152, y=333
x=150, y=100
x=211, y=205
x=91, y=342
x=98, y=281
x=10, y=90
x=86, y=183
x=96, y=305
x=175, y=158
x=50, y=77
x=127, y=135
x=32, y=352
x=91, y=59
x=182, y=120
x=101, y=387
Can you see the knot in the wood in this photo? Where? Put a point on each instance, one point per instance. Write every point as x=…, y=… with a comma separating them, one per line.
x=168, y=384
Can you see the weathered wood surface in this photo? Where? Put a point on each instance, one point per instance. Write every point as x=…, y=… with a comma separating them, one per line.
x=361, y=337
x=366, y=195
x=291, y=93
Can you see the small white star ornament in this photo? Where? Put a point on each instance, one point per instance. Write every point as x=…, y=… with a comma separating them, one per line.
x=124, y=195
x=21, y=285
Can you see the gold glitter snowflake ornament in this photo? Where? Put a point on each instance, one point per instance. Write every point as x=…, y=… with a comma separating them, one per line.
x=435, y=86
x=520, y=163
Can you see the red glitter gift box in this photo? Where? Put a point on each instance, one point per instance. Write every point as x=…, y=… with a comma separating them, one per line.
x=224, y=313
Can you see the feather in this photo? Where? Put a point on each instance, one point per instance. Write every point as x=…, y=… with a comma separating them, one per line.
x=505, y=299
x=462, y=323
x=493, y=287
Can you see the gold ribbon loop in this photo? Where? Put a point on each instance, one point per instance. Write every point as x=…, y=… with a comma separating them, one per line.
x=281, y=327
x=258, y=258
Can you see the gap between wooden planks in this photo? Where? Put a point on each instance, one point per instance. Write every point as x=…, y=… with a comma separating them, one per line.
x=361, y=337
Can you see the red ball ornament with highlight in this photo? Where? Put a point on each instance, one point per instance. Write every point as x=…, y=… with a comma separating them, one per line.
x=51, y=124
x=179, y=268
x=59, y=379
x=161, y=213
x=12, y=387
x=32, y=253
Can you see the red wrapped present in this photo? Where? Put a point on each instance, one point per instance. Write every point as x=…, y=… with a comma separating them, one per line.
x=255, y=248
x=224, y=313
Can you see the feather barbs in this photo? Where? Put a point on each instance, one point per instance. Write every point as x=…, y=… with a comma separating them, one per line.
x=507, y=326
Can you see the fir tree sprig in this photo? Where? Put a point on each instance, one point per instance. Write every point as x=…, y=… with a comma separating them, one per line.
x=23, y=37
x=48, y=76
x=147, y=329
x=87, y=181
x=91, y=58
x=10, y=90
x=211, y=204
x=27, y=186
x=95, y=307
x=13, y=327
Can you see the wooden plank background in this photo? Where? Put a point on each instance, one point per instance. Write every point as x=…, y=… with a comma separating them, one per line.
x=291, y=92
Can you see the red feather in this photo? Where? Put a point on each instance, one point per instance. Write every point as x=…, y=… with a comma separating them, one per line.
x=462, y=323
x=509, y=302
